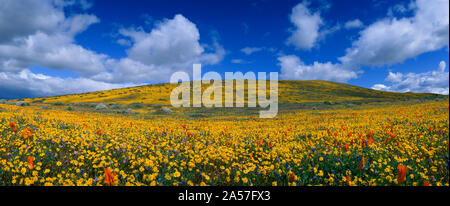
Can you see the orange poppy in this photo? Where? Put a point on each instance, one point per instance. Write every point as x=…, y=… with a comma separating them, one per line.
x=361, y=164
x=24, y=134
x=401, y=173
x=99, y=132
x=292, y=177
x=347, y=181
x=13, y=126
x=30, y=161
x=345, y=147
x=370, y=134
x=29, y=132
x=370, y=141
x=349, y=134
x=393, y=135
x=109, y=177
x=426, y=183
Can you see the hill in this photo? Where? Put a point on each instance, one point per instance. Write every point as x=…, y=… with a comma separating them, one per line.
x=290, y=92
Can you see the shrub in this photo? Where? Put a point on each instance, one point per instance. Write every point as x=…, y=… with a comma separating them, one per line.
x=101, y=106
x=22, y=104
x=115, y=106
x=136, y=105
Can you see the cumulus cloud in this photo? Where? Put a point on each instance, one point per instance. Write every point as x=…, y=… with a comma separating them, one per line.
x=293, y=68
x=42, y=35
x=356, y=23
x=29, y=84
x=46, y=39
x=33, y=16
x=393, y=40
x=173, y=45
x=309, y=28
x=436, y=81
x=306, y=27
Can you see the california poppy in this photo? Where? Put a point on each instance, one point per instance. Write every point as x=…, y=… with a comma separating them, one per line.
x=347, y=180
x=292, y=177
x=109, y=177
x=370, y=141
x=426, y=183
x=30, y=162
x=370, y=134
x=99, y=132
x=345, y=147
x=393, y=135
x=13, y=126
x=29, y=132
x=361, y=164
x=401, y=173
x=349, y=134
x=24, y=134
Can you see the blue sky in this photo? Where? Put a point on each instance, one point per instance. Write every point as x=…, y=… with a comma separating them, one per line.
x=71, y=46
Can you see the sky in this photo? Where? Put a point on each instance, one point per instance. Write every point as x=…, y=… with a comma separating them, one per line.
x=56, y=47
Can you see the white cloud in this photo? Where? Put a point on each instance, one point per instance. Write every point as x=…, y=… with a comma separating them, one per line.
x=38, y=33
x=84, y=4
x=356, y=23
x=394, y=77
x=380, y=87
x=393, y=40
x=428, y=82
x=442, y=66
x=251, y=50
x=293, y=68
x=29, y=84
x=172, y=41
x=124, y=42
x=307, y=25
x=401, y=8
x=173, y=45
x=239, y=61
x=19, y=18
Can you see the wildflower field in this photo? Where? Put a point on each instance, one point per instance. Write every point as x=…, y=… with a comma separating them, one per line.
x=403, y=143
